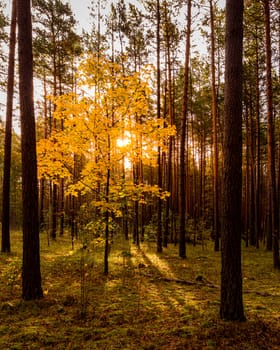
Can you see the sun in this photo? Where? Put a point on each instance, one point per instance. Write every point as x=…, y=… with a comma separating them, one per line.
x=122, y=142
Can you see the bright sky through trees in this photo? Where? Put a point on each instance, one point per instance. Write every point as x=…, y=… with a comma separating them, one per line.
x=81, y=12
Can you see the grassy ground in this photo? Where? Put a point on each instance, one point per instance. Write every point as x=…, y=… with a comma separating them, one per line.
x=148, y=301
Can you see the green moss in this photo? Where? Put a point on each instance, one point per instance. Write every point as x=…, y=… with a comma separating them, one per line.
x=137, y=308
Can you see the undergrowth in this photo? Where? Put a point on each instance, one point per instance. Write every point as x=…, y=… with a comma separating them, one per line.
x=148, y=300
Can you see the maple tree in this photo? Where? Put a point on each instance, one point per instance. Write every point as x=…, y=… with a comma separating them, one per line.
x=101, y=126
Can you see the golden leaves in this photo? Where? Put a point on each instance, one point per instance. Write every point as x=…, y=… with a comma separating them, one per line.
x=109, y=125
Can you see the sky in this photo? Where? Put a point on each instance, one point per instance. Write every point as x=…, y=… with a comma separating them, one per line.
x=79, y=7
x=80, y=10
x=81, y=13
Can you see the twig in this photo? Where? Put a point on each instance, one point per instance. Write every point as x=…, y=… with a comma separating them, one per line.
x=181, y=281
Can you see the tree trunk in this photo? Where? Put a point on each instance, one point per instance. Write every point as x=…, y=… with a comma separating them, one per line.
x=170, y=111
x=107, y=246
x=107, y=214
x=257, y=201
x=182, y=176
x=231, y=276
x=6, y=245
x=42, y=188
x=252, y=172
x=215, y=136
x=271, y=140
x=159, y=208
x=31, y=275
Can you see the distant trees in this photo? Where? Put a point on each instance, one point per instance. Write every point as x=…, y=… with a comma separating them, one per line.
x=253, y=62
x=260, y=200
x=56, y=45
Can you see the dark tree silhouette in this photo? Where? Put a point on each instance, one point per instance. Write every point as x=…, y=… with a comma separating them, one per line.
x=6, y=245
x=182, y=174
x=31, y=275
x=231, y=278
x=271, y=140
x=159, y=209
x=215, y=134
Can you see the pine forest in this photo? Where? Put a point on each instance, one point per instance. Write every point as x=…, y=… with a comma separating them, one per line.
x=140, y=174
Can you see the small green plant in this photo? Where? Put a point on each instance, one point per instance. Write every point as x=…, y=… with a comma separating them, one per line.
x=126, y=255
x=150, y=232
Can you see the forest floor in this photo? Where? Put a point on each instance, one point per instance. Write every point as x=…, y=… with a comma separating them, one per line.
x=148, y=300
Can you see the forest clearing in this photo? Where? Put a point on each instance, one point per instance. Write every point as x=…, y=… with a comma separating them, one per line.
x=148, y=300
x=132, y=138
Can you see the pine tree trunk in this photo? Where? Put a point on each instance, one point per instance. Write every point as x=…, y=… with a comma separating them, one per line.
x=216, y=224
x=231, y=277
x=182, y=175
x=257, y=201
x=107, y=214
x=252, y=172
x=43, y=184
x=6, y=245
x=31, y=275
x=159, y=207
x=271, y=140
x=170, y=111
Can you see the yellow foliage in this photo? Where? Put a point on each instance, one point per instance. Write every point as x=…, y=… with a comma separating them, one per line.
x=107, y=123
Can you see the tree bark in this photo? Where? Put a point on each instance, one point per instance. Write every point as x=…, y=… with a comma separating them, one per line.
x=257, y=201
x=6, y=244
x=182, y=176
x=231, y=276
x=216, y=224
x=159, y=208
x=271, y=140
x=31, y=275
x=169, y=178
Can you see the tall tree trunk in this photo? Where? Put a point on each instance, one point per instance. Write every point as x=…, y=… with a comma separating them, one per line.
x=6, y=245
x=136, y=179
x=136, y=206
x=31, y=274
x=246, y=211
x=182, y=176
x=215, y=136
x=107, y=217
x=271, y=140
x=54, y=200
x=231, y=276
x=54, y=192
x=168, y=207
x=252, y=172
x=159, y=208
x=257, y=201
x=42, y=187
